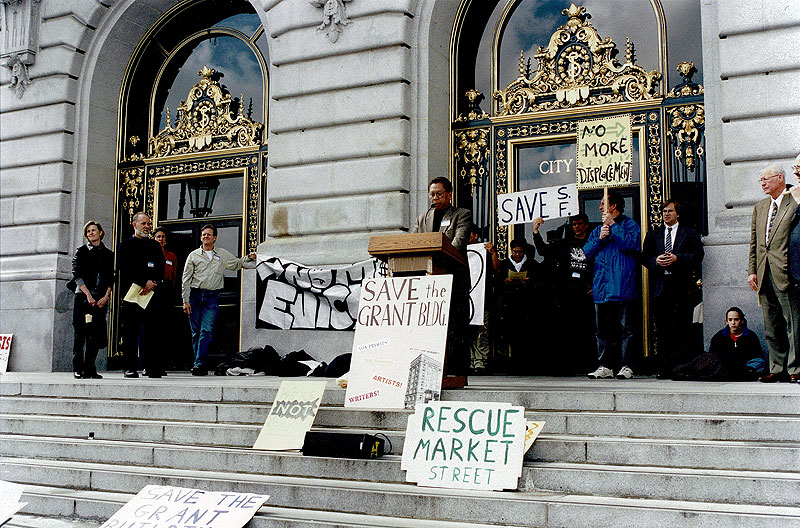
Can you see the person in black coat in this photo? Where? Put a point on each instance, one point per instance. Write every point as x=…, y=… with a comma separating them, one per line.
x=92, y=279
x=672, y=253
x=734, y=354
x=141, y=262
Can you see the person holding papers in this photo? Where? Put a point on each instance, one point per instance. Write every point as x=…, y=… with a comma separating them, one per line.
x=93, y=276
x=202, y=281
x=141, y=268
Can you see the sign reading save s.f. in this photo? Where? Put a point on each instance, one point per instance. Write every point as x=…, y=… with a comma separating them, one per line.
x=605, y=152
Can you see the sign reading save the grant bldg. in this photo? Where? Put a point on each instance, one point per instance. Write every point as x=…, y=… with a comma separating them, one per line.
x=605, y=152
x=465, y=445
x=173, y=507
x=398, y=347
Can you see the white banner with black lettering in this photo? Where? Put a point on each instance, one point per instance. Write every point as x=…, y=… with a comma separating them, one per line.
x=292, y=296
x=546, y=202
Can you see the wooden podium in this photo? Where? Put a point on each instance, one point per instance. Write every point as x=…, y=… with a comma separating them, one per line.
x=422, y=254
x=417, y=254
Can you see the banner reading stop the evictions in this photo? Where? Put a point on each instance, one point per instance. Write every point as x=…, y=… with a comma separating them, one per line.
x=605, y=152
x=398, y=348
x=465, y=445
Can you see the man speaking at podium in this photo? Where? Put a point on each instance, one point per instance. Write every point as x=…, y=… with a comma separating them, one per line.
x=454, y=222
x=443, y=217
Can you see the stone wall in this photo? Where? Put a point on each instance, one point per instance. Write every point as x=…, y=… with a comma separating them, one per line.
x=357, y=127
x=752, y=78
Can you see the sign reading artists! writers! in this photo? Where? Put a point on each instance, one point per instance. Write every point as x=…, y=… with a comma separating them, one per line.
x=173, y=507
x=465, y=445
x=398, y=348
x=5, y=351
x=605, y=152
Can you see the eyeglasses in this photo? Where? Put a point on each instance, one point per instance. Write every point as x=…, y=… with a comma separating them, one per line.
x=437, y=194
x=765, y=179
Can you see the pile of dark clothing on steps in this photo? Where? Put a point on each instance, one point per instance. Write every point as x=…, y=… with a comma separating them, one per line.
x=265, y=361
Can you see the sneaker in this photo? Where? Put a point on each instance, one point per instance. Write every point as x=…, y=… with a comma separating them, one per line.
x=131, y=374
x=625, y=373
x=601, y=372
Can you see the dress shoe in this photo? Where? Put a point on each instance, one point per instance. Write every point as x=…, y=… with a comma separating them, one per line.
x=199, y=371
x=77, y=375
x=93, y=375
x=131, y=374
x=774, y=377
x=794, y=378
x=154, y=374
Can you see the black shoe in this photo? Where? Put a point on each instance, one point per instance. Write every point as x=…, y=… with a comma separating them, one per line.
x=93, y=375
x=154, y=374
x=131, y=374
x=77, y=375
x=199, y=371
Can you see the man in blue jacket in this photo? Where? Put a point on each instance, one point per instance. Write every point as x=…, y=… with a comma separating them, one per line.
x=614, y=246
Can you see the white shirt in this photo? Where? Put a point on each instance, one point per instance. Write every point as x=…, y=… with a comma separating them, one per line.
x=672, y=233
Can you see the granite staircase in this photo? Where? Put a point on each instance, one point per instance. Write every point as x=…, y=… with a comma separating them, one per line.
x=614, y=453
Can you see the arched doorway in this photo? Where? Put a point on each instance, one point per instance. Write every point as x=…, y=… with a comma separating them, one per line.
x=546, y=67
x=192, y=148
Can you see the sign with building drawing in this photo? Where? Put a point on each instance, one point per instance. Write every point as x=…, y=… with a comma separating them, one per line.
x=465, y=445
x=173, y=507
x=399, y=343
x=291, y=416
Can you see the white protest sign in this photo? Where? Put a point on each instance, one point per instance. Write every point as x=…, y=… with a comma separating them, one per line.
x=532, y=430
x=546, y=202
x=5, y=351
x=465, y=445
x=398, y=347
x=291, y=416
x=10, y=493
x=605, y=152
x=173, y=507
x=476, y=258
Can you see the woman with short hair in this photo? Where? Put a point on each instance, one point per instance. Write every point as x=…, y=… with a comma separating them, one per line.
x=92, y=278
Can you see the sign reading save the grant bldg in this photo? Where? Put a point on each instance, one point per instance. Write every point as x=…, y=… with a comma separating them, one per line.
x=465, y=445
x=605, y=152
x=398, y=347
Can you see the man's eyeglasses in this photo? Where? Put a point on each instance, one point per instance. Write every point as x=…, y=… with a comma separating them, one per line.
x=765, y=179
x=437, y=194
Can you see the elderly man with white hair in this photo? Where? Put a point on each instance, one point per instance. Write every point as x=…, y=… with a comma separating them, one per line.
x=768, y=267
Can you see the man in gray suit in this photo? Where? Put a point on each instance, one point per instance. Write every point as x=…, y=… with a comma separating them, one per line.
x=769, y=277
x=442, y=216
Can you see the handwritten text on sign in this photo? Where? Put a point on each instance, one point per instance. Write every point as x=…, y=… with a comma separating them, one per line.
x=398, y=347
x=5, y=351
x=605, y=152
x=465, y=445
x=546, y=202
x=172, y=507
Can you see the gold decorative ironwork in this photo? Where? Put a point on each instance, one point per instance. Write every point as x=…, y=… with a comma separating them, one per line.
x=655, y=176
x=472, y=152
x=206, y=122
x=200, y=166
x=131, y=190
x=577, y=68
x=474, y=112
x=686, y=88
x=134, y=140
x=686, y=125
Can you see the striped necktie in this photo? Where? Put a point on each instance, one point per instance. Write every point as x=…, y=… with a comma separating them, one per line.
x=773, y=212
x=668, y=242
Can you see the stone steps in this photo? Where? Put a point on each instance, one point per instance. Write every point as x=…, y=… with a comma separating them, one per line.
x=634, y=453
x=523, y=509
x=752, y=427
x=720, y=454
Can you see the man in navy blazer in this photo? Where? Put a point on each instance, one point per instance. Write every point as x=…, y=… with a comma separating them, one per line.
x=672, y=253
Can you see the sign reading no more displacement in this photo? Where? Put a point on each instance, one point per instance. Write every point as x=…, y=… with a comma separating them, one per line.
x=605, y=152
